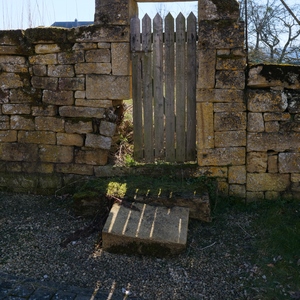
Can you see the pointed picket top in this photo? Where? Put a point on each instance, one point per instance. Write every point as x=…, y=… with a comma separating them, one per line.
x=146, y=33
x=191, y=17
x=135, y=37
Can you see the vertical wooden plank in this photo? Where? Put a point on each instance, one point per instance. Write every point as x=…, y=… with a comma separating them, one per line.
x=180, y=88
x=147, y=89
x=169, y=93
x=158, y=86
x=135, y=44
x=191, y=87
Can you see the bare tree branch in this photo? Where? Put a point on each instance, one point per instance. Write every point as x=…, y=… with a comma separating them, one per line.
x=290, y=11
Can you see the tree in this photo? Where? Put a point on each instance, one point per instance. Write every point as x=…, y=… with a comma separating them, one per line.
x=273, y=31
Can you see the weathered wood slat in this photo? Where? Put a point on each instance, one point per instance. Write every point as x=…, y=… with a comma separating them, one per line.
x=164, y=88
x=191, y=87
x=180, y=88
x=158, y=86
x=147, y=89
x=169, y=83
x=136, y=89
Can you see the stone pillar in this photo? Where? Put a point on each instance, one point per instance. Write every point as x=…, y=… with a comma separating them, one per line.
x=221, y=111
x=114, y=12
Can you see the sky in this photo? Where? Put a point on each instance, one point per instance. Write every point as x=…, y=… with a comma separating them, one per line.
x=21, y=14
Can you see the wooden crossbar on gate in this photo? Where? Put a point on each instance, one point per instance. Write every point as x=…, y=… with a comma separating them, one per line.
x=164, y=68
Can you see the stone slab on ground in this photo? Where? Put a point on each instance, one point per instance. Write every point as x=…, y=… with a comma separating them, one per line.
x=140, y=228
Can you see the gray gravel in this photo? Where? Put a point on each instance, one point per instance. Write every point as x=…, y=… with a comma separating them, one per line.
x=215, y=265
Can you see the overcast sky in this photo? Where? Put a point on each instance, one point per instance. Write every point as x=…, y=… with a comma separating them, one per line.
x=15, y=14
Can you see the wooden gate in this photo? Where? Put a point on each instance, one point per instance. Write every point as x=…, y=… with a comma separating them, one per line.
x=164, y=88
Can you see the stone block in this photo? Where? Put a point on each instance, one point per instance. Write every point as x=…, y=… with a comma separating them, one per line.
x=96, y=157
x=272, y=126
x=222, y=156
x=227, y=121
x=80, y=95
x=37, y=137
x=14, y=68
x=61, y=71
x=265, y=141
x=230, y=80
x=9, y=50
x=43, y=59
x=220, y=172
x=269, y=76
x=84, y=46
x=49, y=124
x=81, y=112
x=230, y=139
x=69, y=139
x=289, y=162
x=80, y=127
x=16, y=109
x=206, y=73
x=115, y=12
x=46, y=48
x=277, y=117
x=71, y=84
x=271, y=195
x=56, y=154
x=21, y=123
x=233, y=64
x=205, y=128
x=267, y=182
x=237, y=174
x=94, y=103
x=45, y=83
x=221, y=34
x=255, y=122
x=4, y=122
x=70, y=58
x=107, y=128
x=93, y=68
x=266, y=101
x=10, y=81
x=295, y=177
x=98, y=55
x=39, y=70
x=121, y=63
x=237, y=190
x=255, y=196
x=12, y=60
x=229, y=107
x=8, y=136
x=273, y=163
x=18, y=152
x=58, y=97
x=220, y=95
x=257, y=162
x=108, y=87
x=215, y=10
x=4, y=96
x=23, y=96
x=46, y=111
x=74, y=169
x=37, y=167
x=98, y=141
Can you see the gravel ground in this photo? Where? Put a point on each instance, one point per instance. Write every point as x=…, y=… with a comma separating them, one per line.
x=215, y=265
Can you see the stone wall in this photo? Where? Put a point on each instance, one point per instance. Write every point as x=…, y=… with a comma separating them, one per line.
x=273, y=132
x=58, y=94
x=248, y=116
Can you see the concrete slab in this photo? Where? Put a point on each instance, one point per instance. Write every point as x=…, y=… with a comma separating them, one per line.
x=146, y=229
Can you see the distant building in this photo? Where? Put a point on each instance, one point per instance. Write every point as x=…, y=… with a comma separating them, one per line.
x=76, y=23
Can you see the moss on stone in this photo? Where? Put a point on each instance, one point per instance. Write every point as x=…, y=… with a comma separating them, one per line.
x=284, y=73
x=230, y=6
